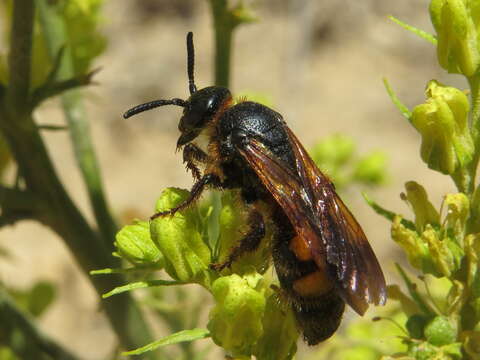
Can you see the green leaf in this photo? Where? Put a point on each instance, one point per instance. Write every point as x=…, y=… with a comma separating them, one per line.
x=140, y=285
x=423, y=34
x=396, y=101
x=409, y=307
x=178, y=337
x=130, y=270
x=73, y=23
x=412, y=290
x=387, y=214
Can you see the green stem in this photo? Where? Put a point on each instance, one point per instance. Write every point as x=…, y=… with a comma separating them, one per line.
x=463, y=179
x=225, y=20
x=224, y=25
x=475, y=125
x=474, y=83
x=55, y=33
x=58, y=210
x=223, y=30
x=34, y=341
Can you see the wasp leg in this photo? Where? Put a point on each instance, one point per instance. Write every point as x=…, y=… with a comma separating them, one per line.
x=249, y=242
x=192, y=154
x=195, y=192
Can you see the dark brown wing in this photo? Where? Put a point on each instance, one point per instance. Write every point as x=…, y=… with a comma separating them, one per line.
x=319, y=215
x=285, y=186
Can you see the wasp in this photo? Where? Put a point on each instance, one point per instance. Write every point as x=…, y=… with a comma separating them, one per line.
x=320, y=253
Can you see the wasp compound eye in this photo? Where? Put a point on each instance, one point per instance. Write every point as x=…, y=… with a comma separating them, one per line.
x=203, y=105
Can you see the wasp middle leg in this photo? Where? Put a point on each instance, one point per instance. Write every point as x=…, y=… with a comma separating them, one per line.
x=248, y=243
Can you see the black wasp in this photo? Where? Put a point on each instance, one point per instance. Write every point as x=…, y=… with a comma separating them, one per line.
x=320, y=253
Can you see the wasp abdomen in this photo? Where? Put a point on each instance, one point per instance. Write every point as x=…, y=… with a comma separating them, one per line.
x=319, y=317
x=315, y=302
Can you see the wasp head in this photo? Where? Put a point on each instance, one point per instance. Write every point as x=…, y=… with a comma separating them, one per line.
x=202, y=106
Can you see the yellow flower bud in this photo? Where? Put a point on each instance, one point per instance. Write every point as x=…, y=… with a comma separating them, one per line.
x=133, y=243
x=456, y=23
x=179, y=238
x=443, y=124
x=416, y=250
x=424, y=211
x=236, y=320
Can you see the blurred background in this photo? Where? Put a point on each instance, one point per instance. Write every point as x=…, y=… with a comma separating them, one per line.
x=319, y=63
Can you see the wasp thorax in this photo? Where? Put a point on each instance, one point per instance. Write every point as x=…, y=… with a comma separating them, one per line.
x=199, y=109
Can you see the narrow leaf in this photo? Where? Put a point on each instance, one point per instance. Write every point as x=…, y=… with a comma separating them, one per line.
x=412, y=290
x=129, y=270
x=423, y=34
x=396, y=101
x=181, y=336
x=387, y=214
x=52, y=127
x=140, y=285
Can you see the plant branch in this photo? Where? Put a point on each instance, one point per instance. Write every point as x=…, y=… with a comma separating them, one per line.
x=17, y=205
x=55, y=32
x=58, y=210
x=55, y=88
x=225, y=20
x=474, y=83
x=223, y=41
x=20, y=54
x=13, y=318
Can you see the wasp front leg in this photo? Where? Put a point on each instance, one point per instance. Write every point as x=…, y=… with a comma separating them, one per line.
x=248, y=243
x=192, y=155
x=195, y=192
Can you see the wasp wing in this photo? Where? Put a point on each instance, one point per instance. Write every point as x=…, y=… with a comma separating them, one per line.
x=318, y=215
x=285, y=186
x=346, y=245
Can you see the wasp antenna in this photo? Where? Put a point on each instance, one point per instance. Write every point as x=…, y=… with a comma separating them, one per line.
x=151, y=105
x=190, y=63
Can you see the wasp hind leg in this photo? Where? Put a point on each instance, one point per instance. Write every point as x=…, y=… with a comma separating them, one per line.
x=248, y=243
x=195, y=192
